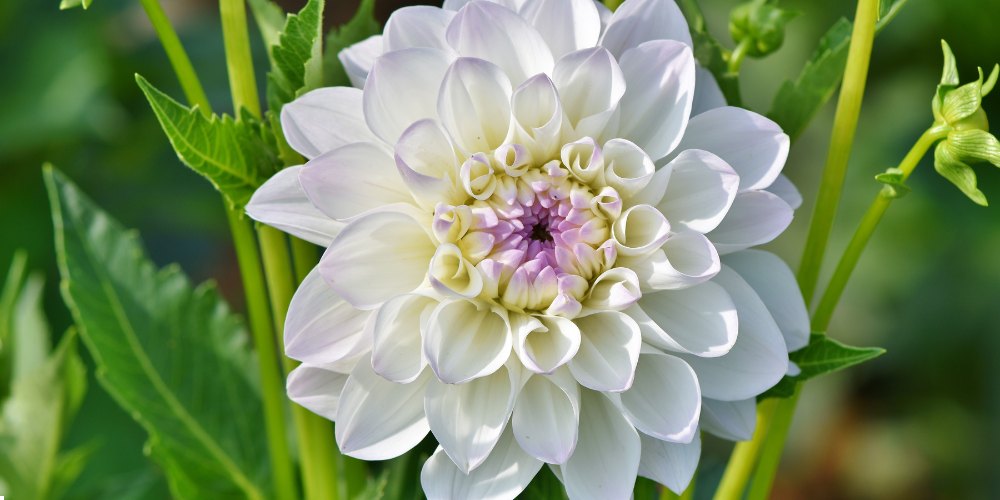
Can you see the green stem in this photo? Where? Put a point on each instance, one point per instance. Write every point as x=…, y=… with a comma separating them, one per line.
x=239, y=62
x=179, y=60
x=744, y=458
x=845, y=124
x=773, y=446
x=304, y=256
x=737, y=56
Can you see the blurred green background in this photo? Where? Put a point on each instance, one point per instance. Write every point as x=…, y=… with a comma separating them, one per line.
x=923, y=421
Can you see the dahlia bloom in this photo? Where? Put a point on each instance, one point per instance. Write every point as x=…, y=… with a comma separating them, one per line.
x=537, y=217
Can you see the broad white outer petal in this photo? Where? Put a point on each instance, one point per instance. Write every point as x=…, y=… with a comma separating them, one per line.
x=417, y=26
x=503, y=476
x=546, y=417
x=325, y=119
x=753, y=145
x=378, y=419
x=427, y=164
x=700, y=192
x=606, y=460
x=701, y=320
x=359, y=58
x=609, y=350
x=513, y=5
x=316, y=389
x=732, y=420
x=551, y=343
x=670, y=464
x=759, y=358
x=321, y=327
x=468, y=419
x=664, y=400
x=685, y=260
x=638, y=21
x=566, y=25
x=755, y=218
x=707, y=94
x=774, y=282
x=352, y=180
x=657, y=103
x=397, y=352
x=590, y=86
x=280, y=202
x=376, y=257
x=403, y=88
x=787, y=191
x=474, y=104
x=495, y=33
x=466, y=340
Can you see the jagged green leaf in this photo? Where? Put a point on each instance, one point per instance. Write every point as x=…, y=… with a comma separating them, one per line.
x=172, y=355
x=822, y=355
x=233, y=155
x=951, y=167
x=297, y=59
x=361, y=26
x=270, y=20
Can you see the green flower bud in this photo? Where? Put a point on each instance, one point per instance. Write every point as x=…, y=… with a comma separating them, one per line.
x=961, y=106
x=760, y=26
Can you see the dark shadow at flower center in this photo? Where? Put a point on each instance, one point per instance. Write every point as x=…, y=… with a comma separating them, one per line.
x=540, y=232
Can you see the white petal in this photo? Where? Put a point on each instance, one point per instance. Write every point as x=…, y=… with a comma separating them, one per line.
x=701, y=190
x=538, y=116
x=566, y=25
x=503, y=476
x=639, y=231
x=755, y=218
x=451, y=274
x=489, y=31
x=664, y=400
x=787, y=191
x=732, y=420
x=638, y=21
x=614, y=290
x=428, y=166
x=280, y=202
x=685, y=260
x=609, y=351
x=513, y=5
x=546, y=417
x=627, y=168
x=466, y=340
x=549, y=344
x=474, y=104
x=376, y=257
x=775, y=283
x=701, y=320
x=656, y=106
x=759, y=358
x=403, y=88
x=316, y=389
x=417, y=26
x=606, y=460
x=325, y=119
x=321, y=327
x=397, y=353
x=753, y=145
x=353, y=180
x=359, y=58
x=670, y=464
x=590, y=85
x=468, y=419
x=707, y=94
x=378, y=419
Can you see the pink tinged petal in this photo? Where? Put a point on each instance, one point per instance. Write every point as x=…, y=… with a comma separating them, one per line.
x=466, y=340
x=468, y=419
x=320, y=326
x=417, y=26
x=638, y=21
x=281, y=203
x=474, y=104
x=376, y=257
x=359, y=58
x=566, y=25
x=700, y=320
x=325, y=119
x=550, y=343
x=640, y=231
x=397, y=353
x=759, y=358
x=752, y=144
x=606, y=460
x=685, y=260
x=503, y=476
x=609, y=351
x=671, y=464
x=546, y=417
x=378, y=419
x=787, y=191
x=732, y=420
x=755, y=218
x=401, y=89
x=701, y=190
x=627, y=168
x=657, y=104
x=590, y=86
x=707, y=94
x=427, y=164
x=495, y=33
x=515, y=159
x=538, y=116
x=476, y=176
x=352, y=180
x=451, y=274
x=316, y=389
x=664, y=400
x=584, y=160
x=616, y=290
x=774, y=282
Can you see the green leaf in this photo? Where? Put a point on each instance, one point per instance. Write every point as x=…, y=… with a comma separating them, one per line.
x=360, y=27
x=69, y=4
x=297, y=60
x=822, y=355
x=270, y=20
x=233, y=155
x=171, y=355
x=8, y=305
x=951, y=167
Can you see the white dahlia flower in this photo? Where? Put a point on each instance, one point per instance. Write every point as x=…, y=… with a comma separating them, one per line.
x=537, y=229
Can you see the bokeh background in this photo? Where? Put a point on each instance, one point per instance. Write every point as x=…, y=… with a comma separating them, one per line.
x=923, y=421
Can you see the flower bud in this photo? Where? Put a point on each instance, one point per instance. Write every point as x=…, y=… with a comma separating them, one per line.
x=760, y=26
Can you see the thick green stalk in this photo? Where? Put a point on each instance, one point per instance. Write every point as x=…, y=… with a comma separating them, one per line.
x=744, y=458
x=239, y=61
x=179, y=60
x=773, y=446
